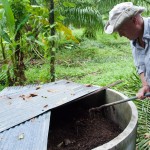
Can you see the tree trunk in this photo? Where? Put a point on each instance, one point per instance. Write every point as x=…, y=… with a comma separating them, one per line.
x=52, y=49
x=19, y=64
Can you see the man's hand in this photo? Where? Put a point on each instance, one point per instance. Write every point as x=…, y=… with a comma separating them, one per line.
x=142, y=91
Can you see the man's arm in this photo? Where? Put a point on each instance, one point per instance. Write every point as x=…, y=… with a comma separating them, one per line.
x=145, y=87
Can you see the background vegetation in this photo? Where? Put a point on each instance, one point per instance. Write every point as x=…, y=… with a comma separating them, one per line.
x=81, y=51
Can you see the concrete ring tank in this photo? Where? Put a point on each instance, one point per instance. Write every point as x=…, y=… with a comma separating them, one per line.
x=126, y=116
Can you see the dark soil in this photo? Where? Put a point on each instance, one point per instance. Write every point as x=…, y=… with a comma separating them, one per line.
x=83, y=132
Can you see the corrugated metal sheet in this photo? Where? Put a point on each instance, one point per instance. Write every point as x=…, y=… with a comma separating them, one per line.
x=17, y=108
x=31, y=135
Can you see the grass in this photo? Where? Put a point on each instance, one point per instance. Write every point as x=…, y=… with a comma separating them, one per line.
x=99, y=62
x=96, y=62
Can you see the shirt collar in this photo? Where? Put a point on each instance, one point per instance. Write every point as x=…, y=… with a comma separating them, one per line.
x=146, y=33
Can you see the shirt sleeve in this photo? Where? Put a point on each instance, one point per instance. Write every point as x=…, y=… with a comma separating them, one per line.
x=139, y=57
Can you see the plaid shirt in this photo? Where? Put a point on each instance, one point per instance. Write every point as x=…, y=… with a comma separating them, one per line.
x=142, y=55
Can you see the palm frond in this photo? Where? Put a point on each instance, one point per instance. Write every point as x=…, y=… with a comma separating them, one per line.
x=91, y=14
x=143, y=130
x=83, y=17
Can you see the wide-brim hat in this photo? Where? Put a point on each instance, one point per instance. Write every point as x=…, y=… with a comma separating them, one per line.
x=119, y=14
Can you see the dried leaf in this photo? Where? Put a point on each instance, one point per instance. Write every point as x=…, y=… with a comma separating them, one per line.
x=72, y=94
x=9, y=97
x=68, y=82
x=22, y=96
x=45, y=106
x=21, y=136
x=33, y=95
x=38, y=87
x=147, y=135
x=88, y=85
x=44, y=96
x=51, y=90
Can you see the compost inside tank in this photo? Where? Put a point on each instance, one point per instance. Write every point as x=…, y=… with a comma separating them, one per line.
x=72, y=127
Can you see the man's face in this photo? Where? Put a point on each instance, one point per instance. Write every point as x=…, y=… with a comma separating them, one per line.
x=129, y=30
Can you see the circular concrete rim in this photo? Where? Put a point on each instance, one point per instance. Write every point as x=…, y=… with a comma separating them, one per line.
x=126, y=132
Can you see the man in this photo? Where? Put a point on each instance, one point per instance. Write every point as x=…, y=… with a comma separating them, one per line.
x=125, y=18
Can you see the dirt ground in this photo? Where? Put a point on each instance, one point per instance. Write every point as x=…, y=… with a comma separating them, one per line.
x=83, y=132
